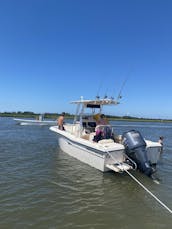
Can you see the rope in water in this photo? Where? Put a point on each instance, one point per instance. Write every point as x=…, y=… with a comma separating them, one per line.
x=156, y=198
x=147, y=190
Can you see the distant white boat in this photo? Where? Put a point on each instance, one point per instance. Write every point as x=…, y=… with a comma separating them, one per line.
x=39, y=122
x=112, y=152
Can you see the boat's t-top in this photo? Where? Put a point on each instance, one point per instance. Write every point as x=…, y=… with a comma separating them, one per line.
x=96, y=102
x=94, y=105
x=88, y=111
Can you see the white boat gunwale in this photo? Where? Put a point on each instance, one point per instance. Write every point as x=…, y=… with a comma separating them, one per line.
x=100, y=148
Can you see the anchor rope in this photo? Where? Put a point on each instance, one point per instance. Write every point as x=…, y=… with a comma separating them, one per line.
x=146, y=189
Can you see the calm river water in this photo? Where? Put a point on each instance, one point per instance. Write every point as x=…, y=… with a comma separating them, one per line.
x=42, y=187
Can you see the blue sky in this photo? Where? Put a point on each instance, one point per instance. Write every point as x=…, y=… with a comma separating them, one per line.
x=52, y=52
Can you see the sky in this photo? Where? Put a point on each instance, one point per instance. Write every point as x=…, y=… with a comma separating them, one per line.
x=55, y=51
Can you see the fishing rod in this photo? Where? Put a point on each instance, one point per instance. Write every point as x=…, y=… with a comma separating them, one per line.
x=121, y=89
x=98, y=91
x=119, y=94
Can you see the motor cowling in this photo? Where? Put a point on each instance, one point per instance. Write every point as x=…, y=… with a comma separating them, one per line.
x=135, y=147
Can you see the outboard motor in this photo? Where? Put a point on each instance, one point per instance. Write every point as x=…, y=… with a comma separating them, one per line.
x=135, y=147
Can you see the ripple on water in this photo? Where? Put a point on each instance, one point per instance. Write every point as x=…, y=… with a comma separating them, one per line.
x=42, y=187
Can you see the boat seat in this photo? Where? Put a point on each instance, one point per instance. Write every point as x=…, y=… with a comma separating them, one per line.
x=105, y=141
x=85, y=136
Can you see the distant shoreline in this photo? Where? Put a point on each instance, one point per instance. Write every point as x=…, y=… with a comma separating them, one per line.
x=56, y=115
x=140, y=120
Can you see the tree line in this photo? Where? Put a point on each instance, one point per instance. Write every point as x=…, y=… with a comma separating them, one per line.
x=30, y=114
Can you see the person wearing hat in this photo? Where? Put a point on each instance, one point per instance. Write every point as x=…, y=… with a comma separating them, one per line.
x=60, y=121
x=102, y=120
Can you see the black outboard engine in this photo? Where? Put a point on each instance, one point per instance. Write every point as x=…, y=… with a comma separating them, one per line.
x=135, y=147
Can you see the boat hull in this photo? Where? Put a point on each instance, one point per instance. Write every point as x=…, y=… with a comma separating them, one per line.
x=34, y=122
x=99, y=155
x=94, y=154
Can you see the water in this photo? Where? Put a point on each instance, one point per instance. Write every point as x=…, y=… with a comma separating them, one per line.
x=42, y=187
